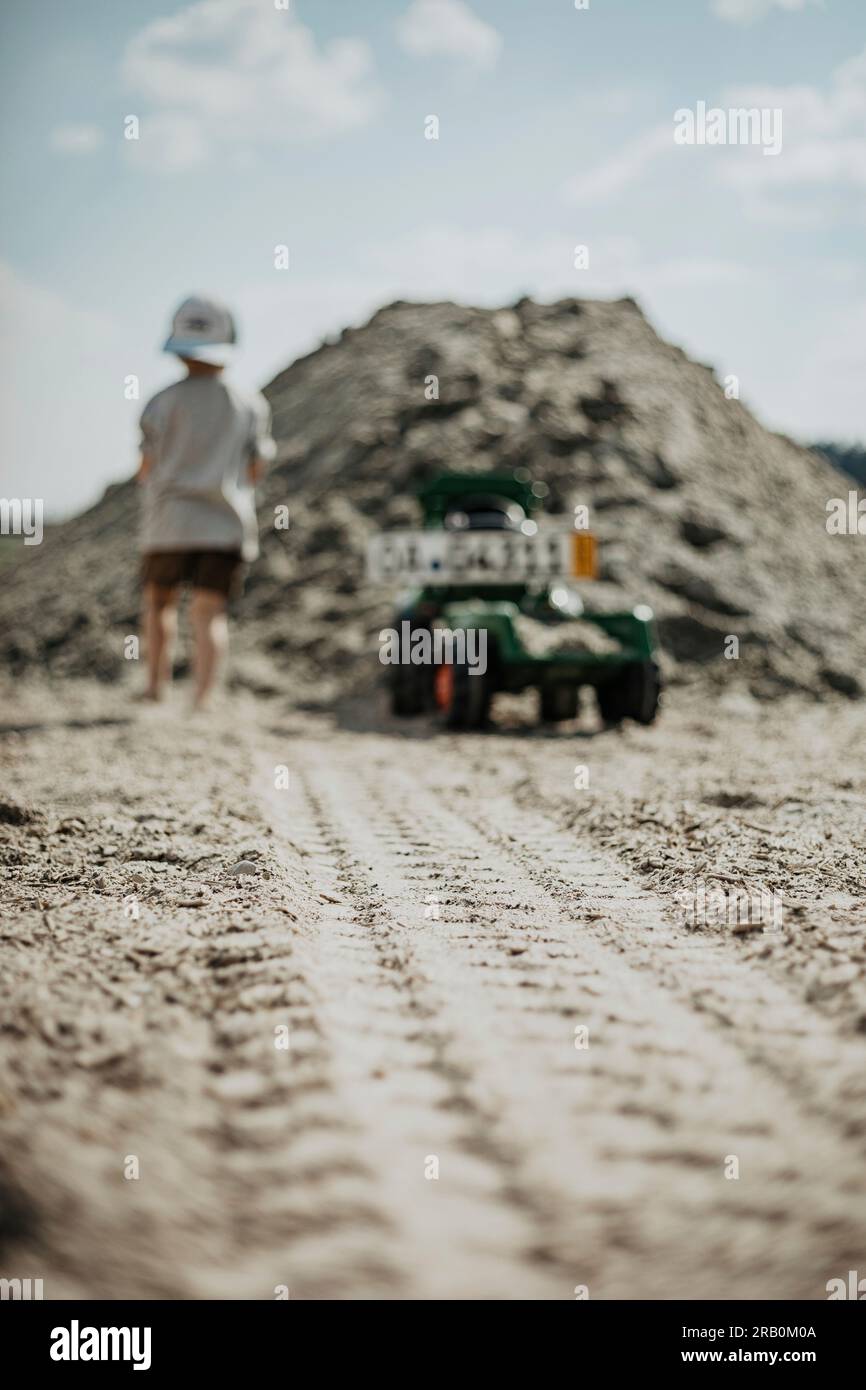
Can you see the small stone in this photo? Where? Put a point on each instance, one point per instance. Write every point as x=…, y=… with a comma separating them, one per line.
x=243, y=866
x=743, y=928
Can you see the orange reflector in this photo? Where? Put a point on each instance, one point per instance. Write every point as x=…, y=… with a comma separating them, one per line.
x=584, y=555
x=443, y=686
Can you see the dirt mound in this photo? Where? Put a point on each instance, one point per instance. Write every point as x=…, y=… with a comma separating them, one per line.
x=701, y=512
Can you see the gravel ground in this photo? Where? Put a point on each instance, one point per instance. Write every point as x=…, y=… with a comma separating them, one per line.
x=517, y=1065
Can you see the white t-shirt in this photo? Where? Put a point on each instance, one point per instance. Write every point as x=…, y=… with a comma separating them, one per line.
x=201, y=434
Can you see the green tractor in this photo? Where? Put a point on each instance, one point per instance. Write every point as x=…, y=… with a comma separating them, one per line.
x=477, y=569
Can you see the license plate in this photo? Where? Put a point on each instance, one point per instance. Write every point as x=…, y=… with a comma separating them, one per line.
x=480, y=557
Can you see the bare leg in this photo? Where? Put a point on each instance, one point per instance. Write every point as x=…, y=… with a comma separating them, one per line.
x=210, y=629
x=160, y=631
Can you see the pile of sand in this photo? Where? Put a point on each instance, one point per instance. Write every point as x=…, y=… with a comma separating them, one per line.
x=714, y=521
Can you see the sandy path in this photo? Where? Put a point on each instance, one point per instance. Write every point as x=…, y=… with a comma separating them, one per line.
x=431, y=919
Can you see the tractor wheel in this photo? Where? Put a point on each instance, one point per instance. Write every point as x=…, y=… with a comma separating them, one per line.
x=632, y=694
x=464, y=699
x=410, y=688
x=558, y=702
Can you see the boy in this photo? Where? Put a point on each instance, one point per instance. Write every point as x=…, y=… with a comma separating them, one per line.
x=204, y=445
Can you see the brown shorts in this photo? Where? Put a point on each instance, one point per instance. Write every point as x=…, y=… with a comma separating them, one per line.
x=218, y=570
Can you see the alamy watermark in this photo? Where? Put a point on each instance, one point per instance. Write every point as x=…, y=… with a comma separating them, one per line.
x=846, y=516
x=739, y=125
x=21, y=1289
x=22, y=516
x=854, y=1287
x=438, y=646
x=77, y=1343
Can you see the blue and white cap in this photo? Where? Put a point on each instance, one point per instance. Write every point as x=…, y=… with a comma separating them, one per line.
x=204, y=330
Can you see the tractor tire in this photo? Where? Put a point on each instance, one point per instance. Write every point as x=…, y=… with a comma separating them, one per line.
x=632, y=694
x=558, y=702
x=410, y=688
x=463, y=698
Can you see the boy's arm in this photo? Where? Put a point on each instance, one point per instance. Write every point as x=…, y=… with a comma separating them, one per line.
x=149, y=426
x=262, y=446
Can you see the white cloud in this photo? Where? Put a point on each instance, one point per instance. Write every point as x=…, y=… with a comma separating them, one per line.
x=76, y=139
x=174, y=141
x=823, y=147
x=225, y=76
x=608, y=178
x=448, y=29
x=824, y=143
x=747, y=11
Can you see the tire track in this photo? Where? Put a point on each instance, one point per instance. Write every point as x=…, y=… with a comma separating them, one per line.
x=408, y=1097
x=613, y=1156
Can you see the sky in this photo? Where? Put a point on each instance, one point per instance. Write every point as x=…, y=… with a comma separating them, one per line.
x=303, y=124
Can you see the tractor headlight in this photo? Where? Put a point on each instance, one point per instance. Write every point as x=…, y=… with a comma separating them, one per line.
x=566, y=600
